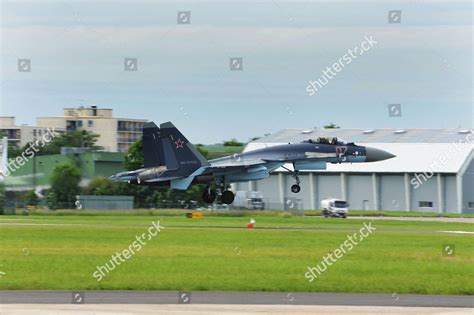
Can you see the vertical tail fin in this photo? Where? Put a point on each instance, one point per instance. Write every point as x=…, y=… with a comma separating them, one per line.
x=179, y=153
x=152, y=146
x=166, y=145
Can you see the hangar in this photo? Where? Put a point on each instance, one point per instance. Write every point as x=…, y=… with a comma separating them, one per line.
x=433, y=172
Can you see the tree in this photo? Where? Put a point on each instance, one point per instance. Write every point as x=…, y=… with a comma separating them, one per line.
x=64, y=186
x=2, y=198
x=331, y=126
x=134, y=158
x=31, y=198
x=76, y=138
x=101, y=186
x=203, y=151
x=14, y=150
x=233, y=143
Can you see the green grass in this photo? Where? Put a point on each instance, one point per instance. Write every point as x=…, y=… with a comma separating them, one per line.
x=234, y=213
x=223, y=218
x=64, y=257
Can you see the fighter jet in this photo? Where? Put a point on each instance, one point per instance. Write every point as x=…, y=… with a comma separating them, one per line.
x=170, y=160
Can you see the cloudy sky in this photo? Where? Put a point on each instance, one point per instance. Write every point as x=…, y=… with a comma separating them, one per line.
x=77, y=51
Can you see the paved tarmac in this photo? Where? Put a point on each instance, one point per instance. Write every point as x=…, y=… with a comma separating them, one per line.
x=15, y=309
x=239, y=298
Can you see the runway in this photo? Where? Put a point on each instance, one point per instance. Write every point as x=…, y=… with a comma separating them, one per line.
x=202, y=309
x=236, y=298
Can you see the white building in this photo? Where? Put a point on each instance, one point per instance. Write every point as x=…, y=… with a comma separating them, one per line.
x=21, y=135
x=115, y=134
x=433, y=172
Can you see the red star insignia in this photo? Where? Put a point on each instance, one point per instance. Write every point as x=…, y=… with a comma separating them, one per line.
x=179, y=144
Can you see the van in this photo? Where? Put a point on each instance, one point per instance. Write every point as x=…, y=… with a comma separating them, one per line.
x=334, y=208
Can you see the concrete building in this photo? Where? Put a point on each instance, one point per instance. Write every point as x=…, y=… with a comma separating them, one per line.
x=116, y=134
x=21, y=135
x=433, y=172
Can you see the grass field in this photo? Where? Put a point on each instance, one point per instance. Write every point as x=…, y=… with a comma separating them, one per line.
x=232, y=213
x=63, y=257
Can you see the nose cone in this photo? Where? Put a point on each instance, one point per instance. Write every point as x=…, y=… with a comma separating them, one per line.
x=374, y=155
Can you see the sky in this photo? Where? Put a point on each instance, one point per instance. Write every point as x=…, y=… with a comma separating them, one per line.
x=77, y=50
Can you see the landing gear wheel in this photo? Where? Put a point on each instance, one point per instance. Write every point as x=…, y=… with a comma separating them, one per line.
x=209, y=195
x=227, y=197
x=295, y=188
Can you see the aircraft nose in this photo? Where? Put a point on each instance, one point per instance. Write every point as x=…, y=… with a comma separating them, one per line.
x=374, y=155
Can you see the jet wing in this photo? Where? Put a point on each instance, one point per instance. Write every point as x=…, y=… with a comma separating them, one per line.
x=183, y=182
x=244, y=165
x=236, y=161
x=162, y=179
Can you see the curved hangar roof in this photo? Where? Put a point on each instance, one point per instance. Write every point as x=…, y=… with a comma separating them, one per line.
x=370, y=135
x=426, y=155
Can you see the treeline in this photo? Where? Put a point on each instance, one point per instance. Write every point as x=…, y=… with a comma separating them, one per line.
x=77, y=138
x=66, y=180
x=65, y=186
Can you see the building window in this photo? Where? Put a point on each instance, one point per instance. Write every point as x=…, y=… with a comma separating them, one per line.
x=470, y=204
x=425, y=204
x=90, y=123
x=71, y=125
x=79, y=123
x=121, y=126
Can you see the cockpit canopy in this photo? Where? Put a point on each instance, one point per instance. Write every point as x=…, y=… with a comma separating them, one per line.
x=326, y=140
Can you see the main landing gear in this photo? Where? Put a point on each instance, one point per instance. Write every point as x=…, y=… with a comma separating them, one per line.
x=296, y=188
x=209, y=195
x=227, y=197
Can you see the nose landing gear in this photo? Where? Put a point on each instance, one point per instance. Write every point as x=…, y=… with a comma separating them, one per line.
x=296, y=188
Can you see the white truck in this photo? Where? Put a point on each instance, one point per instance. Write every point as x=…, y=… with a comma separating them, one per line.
x=334, y=208
x=251, y=200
